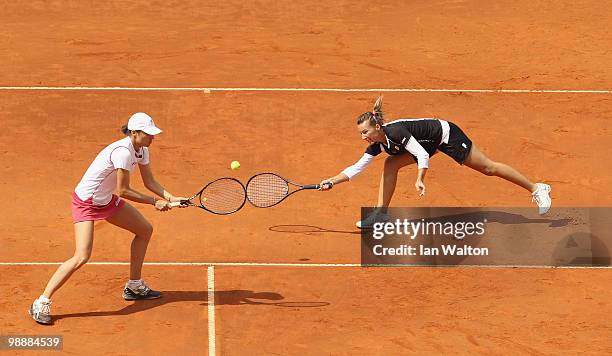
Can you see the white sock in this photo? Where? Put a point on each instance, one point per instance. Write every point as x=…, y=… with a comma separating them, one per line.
x=44, y=299
x=135, y=283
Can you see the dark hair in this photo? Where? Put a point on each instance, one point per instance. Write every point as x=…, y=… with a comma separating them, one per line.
x=375, y=116
x=125, y=130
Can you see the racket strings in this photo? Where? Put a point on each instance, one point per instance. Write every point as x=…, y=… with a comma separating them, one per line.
x=265, y=190
x=223, y=196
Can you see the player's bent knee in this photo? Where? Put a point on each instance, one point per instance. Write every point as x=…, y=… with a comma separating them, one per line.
x=490, y=169
x=146, y=231
x=81, y=259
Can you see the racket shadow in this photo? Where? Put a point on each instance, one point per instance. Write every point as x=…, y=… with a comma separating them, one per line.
x=309, y=230
x=248, y=297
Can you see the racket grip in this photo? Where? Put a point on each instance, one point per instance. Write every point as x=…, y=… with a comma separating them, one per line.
x=329, y=185
x=312, y=186
x=180, y=203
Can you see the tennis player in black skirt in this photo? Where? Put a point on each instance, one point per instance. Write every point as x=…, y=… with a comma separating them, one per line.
x=410, y=141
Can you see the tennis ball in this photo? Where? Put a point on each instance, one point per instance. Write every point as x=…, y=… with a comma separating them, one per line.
x=235, y=165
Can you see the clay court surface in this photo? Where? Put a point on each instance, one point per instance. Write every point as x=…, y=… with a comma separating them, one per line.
x=286, y=279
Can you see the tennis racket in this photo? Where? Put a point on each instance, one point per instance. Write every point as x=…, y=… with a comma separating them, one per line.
x=222, y=196
x=268, y=189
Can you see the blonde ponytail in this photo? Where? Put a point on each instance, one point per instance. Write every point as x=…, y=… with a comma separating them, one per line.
x=375, y=116
x=378, y=106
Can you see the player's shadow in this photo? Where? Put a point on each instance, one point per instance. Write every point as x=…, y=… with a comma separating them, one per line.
x=501, y=217
x=309, y=230
x=227, y=297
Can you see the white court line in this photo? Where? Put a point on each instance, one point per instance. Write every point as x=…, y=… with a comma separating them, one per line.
x=272, y=264
x=358, y=90
x=211, y=312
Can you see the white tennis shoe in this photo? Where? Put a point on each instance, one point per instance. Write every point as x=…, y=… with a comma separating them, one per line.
x=41, y=311
x=542, y=197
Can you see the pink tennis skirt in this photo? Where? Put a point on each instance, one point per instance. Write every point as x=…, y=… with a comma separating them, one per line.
x=87, y=211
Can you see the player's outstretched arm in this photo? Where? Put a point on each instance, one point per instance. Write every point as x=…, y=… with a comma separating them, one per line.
x=329, y=183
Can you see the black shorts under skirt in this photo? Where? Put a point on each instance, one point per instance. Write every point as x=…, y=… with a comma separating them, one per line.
x=458, y=146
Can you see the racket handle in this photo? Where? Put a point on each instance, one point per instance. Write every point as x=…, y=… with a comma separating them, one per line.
x=180, y=203
x=312, y=186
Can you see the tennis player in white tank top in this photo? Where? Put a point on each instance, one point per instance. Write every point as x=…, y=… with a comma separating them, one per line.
x=93, y=199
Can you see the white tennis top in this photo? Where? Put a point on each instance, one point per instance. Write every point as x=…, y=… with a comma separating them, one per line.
x=100, y=179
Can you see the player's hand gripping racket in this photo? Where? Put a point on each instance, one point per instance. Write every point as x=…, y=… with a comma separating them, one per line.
x=268, y=189
x=222, y=196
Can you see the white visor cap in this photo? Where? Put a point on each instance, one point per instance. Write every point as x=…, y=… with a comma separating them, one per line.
x=143, y=122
